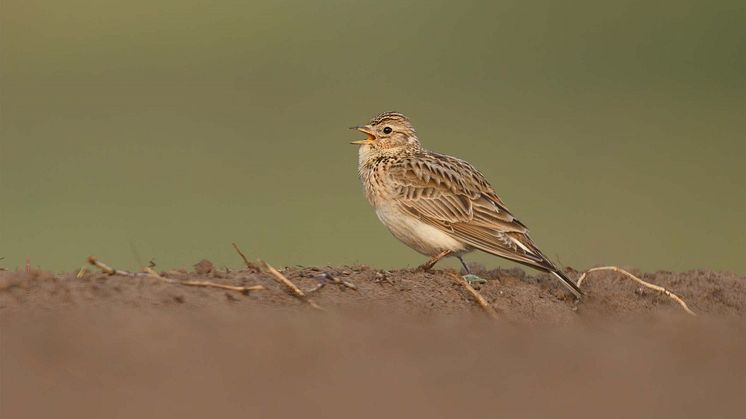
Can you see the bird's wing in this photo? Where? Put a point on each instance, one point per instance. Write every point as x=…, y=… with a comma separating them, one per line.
x=451, y=195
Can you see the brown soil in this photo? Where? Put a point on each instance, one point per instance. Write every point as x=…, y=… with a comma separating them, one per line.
x=403, y=344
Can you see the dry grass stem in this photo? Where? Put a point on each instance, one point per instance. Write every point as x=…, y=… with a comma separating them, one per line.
x=328, y=277
x=149, y=272
x=281, y=279
x=208, y=284
x=658, y=288
x=342, y=282
x=205, y=284
x=477, y=296
x=246, y=261
x=111, y=271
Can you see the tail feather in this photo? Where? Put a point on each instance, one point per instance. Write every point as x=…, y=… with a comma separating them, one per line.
x=546, y=265
x=569, y=283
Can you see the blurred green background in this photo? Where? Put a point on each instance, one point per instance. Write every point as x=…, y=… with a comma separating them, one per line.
x=615, y=130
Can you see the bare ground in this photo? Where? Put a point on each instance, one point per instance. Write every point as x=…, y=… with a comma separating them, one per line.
x=403, y=344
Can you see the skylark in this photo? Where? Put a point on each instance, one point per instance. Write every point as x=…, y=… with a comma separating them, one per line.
x=439, y=205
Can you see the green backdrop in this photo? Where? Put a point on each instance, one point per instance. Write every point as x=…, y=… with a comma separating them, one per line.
x=169, y=129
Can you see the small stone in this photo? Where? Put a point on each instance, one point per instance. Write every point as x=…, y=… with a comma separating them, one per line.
x=204, y=267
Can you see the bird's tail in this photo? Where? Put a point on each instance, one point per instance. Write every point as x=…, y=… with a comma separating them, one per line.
x=569, y=283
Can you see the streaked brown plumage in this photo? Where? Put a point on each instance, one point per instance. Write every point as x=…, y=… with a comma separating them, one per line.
x=437, y=204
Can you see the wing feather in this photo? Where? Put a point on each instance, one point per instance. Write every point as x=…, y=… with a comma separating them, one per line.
x=454, y=197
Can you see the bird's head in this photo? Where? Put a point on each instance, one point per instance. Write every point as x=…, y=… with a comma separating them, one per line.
x=388, y=133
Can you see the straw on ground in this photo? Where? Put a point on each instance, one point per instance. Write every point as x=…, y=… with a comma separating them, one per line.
x=149, y=272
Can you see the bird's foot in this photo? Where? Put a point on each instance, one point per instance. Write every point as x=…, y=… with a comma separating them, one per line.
x=474, y=279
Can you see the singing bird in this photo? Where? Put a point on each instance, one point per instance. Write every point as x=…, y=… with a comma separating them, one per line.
x=439, y=205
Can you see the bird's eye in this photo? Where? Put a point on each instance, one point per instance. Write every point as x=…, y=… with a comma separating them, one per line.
x=387, y=130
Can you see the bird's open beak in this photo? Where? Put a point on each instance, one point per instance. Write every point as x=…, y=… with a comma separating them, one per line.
x=367, y=131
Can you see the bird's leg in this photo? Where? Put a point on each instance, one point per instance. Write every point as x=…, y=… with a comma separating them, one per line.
x=466, y=267
x=430, y=263
x=469, y=277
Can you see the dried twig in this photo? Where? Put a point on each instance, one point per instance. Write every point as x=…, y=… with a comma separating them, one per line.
x=205, y=284
x=83, y=270
x=281, y=279
x=316, y=287
x=325, y=277
x=482, y=302
x=149, y=272
x=111, y=271
x=639, y=281
x=248, y=264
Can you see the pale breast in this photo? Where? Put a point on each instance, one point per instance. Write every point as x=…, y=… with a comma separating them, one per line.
x=416, y=234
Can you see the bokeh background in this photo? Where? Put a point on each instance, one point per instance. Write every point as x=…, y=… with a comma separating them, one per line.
x=169, y=129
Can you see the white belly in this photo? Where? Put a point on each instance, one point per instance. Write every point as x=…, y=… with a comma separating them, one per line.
x=416, y=234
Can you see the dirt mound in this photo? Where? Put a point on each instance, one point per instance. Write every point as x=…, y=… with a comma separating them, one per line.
x=515, y=295
x=403, y=344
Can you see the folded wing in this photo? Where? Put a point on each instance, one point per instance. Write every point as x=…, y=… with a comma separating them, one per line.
x=453, y=196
